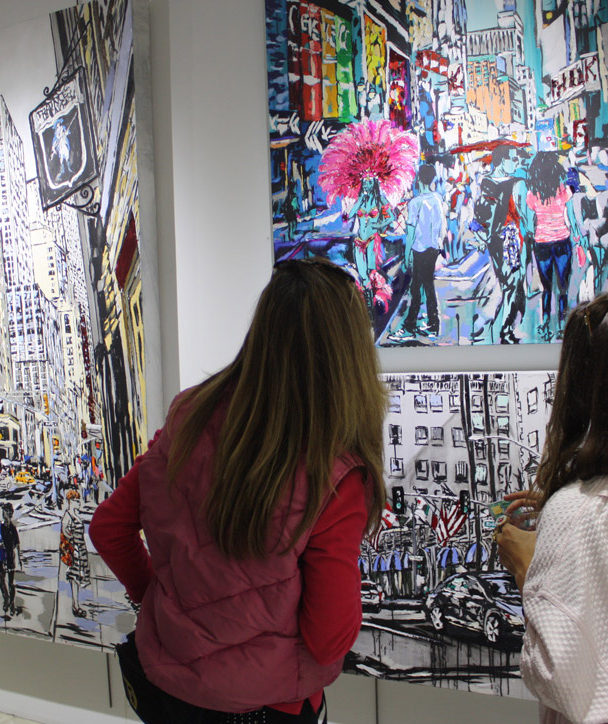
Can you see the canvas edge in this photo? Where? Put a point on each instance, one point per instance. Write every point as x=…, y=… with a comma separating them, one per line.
x=148, y=224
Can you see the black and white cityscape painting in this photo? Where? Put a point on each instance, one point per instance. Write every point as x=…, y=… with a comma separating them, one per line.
x=438, y=608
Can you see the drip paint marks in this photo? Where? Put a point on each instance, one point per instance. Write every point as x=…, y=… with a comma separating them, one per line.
x=438, y=608
x=75, y=392
x=451, y=155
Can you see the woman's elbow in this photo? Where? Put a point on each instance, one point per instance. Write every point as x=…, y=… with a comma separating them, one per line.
x=326, y=650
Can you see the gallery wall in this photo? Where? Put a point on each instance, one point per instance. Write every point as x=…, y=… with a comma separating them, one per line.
x=213, y=224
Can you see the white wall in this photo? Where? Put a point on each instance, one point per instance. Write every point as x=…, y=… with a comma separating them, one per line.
x=213, y=222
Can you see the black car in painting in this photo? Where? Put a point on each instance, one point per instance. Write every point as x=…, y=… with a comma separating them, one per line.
x=488, y=603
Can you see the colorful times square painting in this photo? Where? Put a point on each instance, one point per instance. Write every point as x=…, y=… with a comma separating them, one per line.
x=73, y=393
x=451, y=154
x=438, y=608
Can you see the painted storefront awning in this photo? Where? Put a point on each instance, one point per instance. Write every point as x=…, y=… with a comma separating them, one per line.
x=472, y=553
x=448, y=556
x=364, y=564
x=380, y=563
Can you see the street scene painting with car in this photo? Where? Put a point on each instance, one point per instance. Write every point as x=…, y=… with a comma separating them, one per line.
x=438, y=606
x=450, y=154
x=73, y=397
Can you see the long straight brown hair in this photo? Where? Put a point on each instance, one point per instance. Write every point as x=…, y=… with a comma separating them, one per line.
x=304, y=385
x=576, y=445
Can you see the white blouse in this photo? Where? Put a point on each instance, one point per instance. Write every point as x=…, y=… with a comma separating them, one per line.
x=564, y=660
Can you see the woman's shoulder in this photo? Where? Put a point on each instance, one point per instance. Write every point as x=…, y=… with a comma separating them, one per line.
x=531, y=198
x=182, y=397
x=568, y=522
x=580, y=499
x=596, y=487
x=182, y=401
x=181, y=405
x=560, y=499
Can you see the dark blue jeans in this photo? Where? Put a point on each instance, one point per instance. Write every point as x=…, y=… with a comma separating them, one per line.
x=548, y=254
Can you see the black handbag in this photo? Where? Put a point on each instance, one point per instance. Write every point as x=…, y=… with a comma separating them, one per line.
x=145, y=698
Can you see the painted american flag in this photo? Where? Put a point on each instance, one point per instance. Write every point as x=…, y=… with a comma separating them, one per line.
x=450, y=521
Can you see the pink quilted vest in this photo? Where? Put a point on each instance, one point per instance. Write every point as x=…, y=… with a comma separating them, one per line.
x=219, y=633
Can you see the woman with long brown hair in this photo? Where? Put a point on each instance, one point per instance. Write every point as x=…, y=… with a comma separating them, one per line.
x=253, y=499
x=562, y=568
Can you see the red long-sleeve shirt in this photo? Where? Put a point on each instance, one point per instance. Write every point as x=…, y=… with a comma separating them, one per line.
x=330, y=612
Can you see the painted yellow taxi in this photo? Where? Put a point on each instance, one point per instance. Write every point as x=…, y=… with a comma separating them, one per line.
x=24, y=478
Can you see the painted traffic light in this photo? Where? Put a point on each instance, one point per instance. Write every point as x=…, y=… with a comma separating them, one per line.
x=398, y=500
x=465, y=501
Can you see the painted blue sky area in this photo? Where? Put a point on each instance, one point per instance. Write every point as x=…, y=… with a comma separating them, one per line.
x=483, y=14
x=534, y=58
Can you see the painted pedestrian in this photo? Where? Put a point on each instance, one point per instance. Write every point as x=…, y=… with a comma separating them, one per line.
x=547, y=199
x=373, y=217
x=426, y=229
x=10, y=546
x=499, y=225
x=370, y=166
x=291, y=210
x=73, y=550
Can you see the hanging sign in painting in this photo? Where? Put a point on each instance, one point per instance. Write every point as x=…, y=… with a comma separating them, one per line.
x=63, y=141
